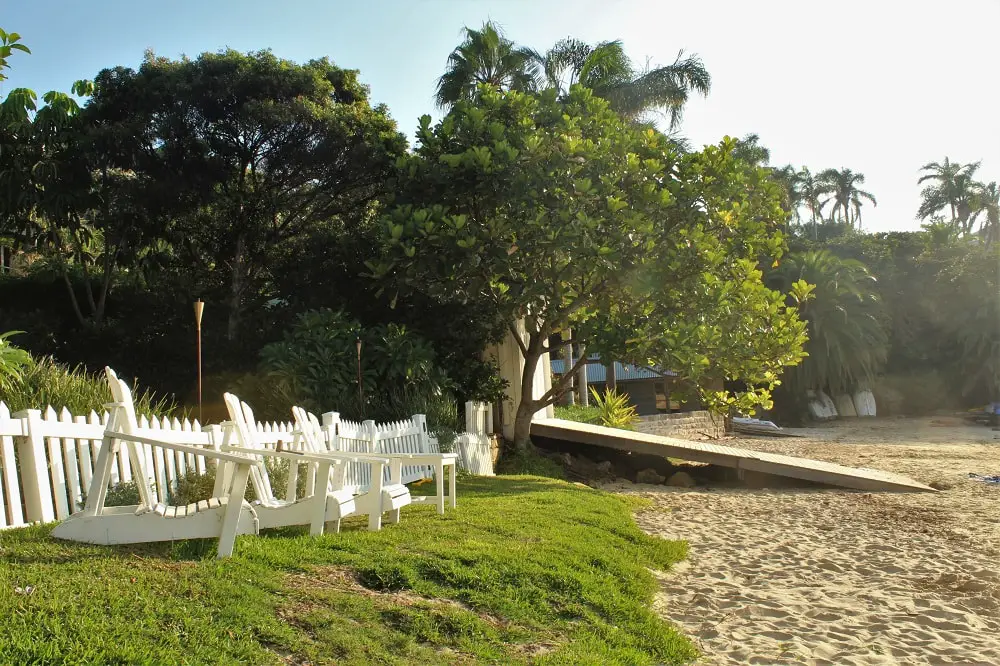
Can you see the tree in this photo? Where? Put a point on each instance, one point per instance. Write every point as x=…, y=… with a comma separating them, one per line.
x=256, y=150
x=487, y=57
x=986, y=201
x=557, y=212
x=847, y=343
x=810, y=189
x=953, y=188
x=631, y=92
x=847, y=198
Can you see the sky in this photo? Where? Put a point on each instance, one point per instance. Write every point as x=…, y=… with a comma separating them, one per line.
x=876, y=86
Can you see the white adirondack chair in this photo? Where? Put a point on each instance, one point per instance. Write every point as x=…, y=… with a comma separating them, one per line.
x=312, y=432
x=324, y=505
x=222, y=516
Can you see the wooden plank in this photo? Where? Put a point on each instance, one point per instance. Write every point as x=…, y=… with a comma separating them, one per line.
x=727, y=456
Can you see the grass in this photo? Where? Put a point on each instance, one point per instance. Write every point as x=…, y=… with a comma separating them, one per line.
x=579, y=413
x=526, y=570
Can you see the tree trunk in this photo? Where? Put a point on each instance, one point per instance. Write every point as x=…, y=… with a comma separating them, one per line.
x=612, y=377
x=567, y=358
x=583, y=394
x=526, y=406
x=236, y=291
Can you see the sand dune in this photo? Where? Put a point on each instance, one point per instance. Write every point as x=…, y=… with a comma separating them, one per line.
x=842, y=577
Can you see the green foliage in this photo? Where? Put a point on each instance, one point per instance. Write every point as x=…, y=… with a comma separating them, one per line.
x=45, y=382
x=528, y=570
x=556, y=211
x=13, y=361
x=486, y=57
x=615, y=409
x=632, y=92
x=579, y=413
x=529, y=461
x=315, y=366
x=847, y=341
x=845, y=195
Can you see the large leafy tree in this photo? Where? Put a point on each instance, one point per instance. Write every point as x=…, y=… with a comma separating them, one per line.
x=842, y=186
x=256, y=150
x=487, y=57
x=953, y=188
x=631, y=91
x=556, y=211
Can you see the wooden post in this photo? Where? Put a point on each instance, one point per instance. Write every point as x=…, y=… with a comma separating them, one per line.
x=199, y=308
x=361, y=395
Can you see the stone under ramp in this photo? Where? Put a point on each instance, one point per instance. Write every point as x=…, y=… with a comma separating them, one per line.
x=743, y=460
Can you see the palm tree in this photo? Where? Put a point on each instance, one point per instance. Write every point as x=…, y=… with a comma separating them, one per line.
x=750, y=149
x=986, y=199
x=953, y=188
x=810, y=189
x=847, y=344
x=487, y=57
x=608, y=71
x=847, y=199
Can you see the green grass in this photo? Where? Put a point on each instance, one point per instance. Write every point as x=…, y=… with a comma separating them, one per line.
x=526, y=570
x=579, y=413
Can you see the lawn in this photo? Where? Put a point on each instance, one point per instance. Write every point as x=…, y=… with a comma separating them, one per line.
x=526, y=570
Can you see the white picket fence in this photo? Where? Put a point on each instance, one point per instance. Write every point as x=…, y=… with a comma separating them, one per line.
x=47, y=458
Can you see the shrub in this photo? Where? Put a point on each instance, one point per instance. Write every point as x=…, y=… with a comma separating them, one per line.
x=315, y=366
x=12, y=361
x=615, y=410
x=529, y=462
x=45, y=382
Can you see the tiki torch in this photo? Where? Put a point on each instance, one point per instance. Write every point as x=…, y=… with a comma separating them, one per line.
x=361, y=395
x=199, y=308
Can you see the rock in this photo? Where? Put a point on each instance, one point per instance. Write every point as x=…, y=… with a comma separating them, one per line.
x=680, y=480
x=649, y=475
x=604, y=467
x=567, y=459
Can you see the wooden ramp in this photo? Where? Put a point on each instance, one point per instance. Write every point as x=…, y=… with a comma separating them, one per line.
x=727, y=456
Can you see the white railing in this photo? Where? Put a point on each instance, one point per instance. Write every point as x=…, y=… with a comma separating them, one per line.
x=408, y=436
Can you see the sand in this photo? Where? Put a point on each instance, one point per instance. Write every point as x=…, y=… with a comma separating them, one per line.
x=809, y=576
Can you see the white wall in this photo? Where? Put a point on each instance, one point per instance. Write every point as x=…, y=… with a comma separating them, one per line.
x=508, y=357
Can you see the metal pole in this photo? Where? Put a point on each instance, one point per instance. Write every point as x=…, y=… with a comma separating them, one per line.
x=199, y=308
x=361, y=395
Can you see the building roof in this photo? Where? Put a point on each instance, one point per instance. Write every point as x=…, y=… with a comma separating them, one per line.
x=597, y=373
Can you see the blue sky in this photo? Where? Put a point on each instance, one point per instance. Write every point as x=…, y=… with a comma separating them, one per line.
x=866, y=85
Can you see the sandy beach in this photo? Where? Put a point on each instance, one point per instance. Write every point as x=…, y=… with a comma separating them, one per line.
x=804, y=576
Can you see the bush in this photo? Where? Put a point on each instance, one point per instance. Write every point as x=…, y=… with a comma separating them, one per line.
x=12, y=361
x=45, y=382
x=315, y=366
x=615, y=409
x=529, y=462
x=194, y=487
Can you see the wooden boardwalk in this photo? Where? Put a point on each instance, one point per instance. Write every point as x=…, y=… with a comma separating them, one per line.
x=807, y=469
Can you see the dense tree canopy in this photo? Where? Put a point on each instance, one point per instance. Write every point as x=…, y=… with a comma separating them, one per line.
x=257, y=150
x=558, y=212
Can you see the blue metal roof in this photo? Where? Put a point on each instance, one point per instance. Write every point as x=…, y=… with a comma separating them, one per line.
x=597, y=373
